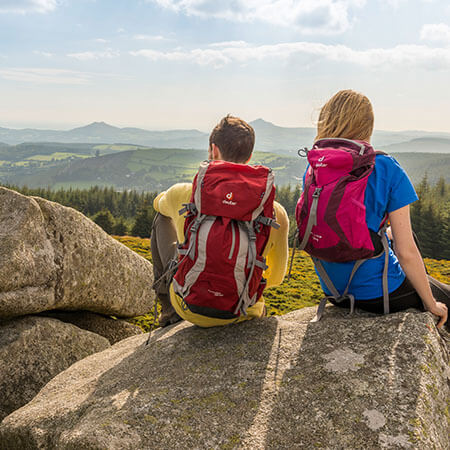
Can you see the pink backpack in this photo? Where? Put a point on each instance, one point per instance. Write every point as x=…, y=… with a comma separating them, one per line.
x=331, y=215
x=226, y=229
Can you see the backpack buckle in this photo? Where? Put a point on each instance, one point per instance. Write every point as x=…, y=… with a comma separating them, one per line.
x=317, y=192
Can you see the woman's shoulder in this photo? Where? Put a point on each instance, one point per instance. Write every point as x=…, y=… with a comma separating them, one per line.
x=387, y=163
x=391, y=178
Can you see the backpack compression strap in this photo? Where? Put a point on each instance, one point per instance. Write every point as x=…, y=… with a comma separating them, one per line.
x=339, y=298
x=335, y=293
x=244, y=298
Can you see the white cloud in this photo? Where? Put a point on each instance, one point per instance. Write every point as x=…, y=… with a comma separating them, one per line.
x=27, y=6
x=403, y=56
x=229, y=44
x=393, y=3
x=102, y=41
x=46, y=76
x=45, y=54
x=90, y=56
x=307, y=16
x=437, y=32
x=397, y=3
x=149, y=37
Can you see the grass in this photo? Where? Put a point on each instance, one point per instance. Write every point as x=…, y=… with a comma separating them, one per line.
x=439, y=269
x=57, y=156
x=301, y=290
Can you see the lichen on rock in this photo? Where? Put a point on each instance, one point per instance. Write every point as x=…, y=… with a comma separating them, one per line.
x=279, y=382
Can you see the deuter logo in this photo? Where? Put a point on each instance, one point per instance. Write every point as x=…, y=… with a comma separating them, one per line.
x=316, y=237
x=229, y=199
x=215, y=293
x=320, y=163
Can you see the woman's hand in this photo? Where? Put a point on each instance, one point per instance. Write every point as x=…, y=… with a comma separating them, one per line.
x=440, y=310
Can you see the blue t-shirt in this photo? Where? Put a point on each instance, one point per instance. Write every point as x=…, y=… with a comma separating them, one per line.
x=388, y=189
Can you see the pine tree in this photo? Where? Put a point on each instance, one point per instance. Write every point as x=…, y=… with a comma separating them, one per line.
x=105, y=220
x=120, y=227
x=143, y=223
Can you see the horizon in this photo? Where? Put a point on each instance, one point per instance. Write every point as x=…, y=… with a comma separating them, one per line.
x=70, y=128
x=183, y=64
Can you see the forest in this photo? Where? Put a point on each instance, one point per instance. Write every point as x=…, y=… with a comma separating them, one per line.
x=131, y=212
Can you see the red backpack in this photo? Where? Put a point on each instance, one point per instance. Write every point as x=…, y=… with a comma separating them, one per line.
x=227, y=227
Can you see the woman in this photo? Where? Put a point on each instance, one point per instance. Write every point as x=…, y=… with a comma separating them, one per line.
x=349, y=115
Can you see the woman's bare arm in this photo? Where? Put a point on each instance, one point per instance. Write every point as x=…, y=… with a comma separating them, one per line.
x=412, y=263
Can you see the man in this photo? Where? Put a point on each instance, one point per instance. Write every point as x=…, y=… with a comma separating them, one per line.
x=231, y=140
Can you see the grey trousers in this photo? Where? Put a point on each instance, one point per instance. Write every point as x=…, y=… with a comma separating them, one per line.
x=163, y=244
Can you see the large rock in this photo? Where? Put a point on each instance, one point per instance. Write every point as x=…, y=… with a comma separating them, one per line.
x=35, y=349
x=53, y=257
x=27, y=259
x=272, y=383
x=112, y=329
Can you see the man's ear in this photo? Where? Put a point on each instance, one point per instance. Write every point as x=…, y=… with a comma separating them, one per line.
x=215, y=152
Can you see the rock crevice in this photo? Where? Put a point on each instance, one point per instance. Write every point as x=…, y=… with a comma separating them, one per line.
x=71, y=261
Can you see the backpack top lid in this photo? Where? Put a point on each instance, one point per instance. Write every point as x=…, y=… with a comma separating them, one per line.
x=333, y=158
x=236, y=191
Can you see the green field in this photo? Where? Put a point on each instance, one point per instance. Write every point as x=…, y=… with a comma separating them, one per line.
x=56, y=156
x=128, y=166
x=143, y=169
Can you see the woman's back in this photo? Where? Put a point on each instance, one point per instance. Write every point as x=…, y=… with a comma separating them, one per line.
x=388, y=188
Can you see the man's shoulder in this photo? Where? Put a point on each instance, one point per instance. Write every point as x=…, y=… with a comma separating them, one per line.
x=180, y=188
x=170, y=201
x=179, y=192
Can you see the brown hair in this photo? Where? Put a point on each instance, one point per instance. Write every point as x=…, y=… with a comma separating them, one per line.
x=348, y=114
x=235, y=139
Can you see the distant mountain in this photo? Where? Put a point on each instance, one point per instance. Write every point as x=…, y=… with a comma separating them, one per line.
x=269, y=137
x=420, y=145
x=102, y=133
x=416, y=165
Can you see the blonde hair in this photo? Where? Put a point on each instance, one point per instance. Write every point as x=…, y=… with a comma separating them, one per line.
x=348, y=114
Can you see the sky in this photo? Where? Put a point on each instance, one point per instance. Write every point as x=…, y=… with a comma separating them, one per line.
x=168, y=64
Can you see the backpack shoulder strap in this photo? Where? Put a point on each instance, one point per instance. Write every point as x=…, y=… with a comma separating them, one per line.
x=197, y=194
x=268, y=190
x=312, y=220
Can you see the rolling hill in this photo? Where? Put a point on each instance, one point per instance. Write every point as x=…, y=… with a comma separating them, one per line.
x=269, y=137
x=420, y=145
x=155, y=169
x=141, y=169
